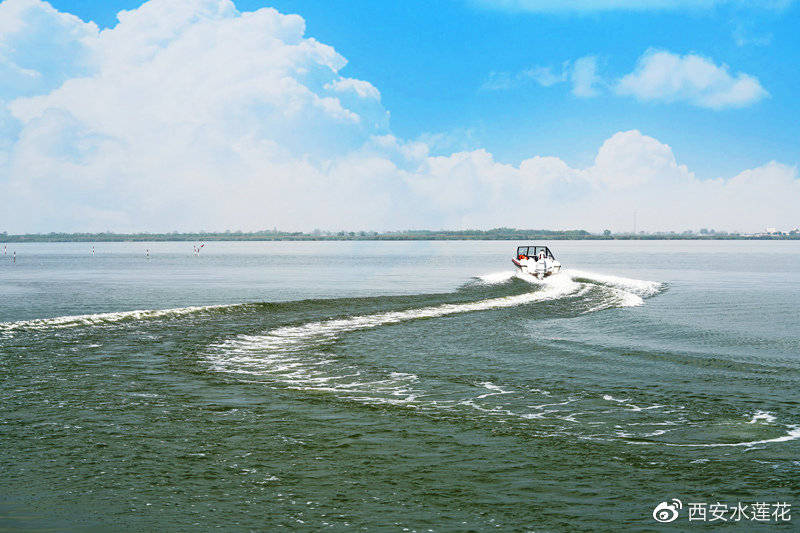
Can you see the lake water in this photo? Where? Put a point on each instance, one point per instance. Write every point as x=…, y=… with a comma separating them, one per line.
x=395, y=385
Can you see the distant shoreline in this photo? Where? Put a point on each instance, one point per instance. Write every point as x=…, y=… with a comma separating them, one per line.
x=417, y=235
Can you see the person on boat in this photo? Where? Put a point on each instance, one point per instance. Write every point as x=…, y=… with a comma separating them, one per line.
x=543, y=265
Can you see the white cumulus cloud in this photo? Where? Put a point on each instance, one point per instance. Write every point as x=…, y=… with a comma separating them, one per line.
x=662, y=76
x=189, y=114
x=631, y=172
x=40, y=48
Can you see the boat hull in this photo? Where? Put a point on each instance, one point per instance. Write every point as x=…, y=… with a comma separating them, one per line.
x=540, y=272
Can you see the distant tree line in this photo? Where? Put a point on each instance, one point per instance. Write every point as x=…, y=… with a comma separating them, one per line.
x=407, y=235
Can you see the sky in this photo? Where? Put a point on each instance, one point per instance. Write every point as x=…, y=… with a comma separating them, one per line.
x=186, y=115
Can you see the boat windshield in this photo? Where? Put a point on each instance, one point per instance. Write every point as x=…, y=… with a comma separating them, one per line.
x=534, y=251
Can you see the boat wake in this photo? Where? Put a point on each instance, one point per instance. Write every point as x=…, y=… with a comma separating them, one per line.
x=301, y=357
x=615, y=291
x=314, y=356
x=99, y=319
x=619, y=292
x=304, y=357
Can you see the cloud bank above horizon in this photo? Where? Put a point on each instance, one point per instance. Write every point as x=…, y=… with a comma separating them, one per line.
x=189, y=114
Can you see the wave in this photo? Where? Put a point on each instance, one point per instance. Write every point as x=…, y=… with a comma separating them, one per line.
x=616, y=292
x=289, y=336
x=298, y=357
x=295, y=356
x=638, y=287
x=766, y=416
x=97, y=319
x=793, y=433
x=283, y=353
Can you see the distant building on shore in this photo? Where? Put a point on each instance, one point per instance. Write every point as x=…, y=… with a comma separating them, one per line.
x=775, y=232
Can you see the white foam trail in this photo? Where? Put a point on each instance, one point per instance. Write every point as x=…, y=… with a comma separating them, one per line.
x=628, y=299
x=294, y=337
x=282, y=355
x=762, y=415
x=626, y=292
x=639, y=287
x=792, y=434
x=287, y=354
x=102, y=318
x=494, y=388
x=621, y=291
x=609, y=398
x=627, y=403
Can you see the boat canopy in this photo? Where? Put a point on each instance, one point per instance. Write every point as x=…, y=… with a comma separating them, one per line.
x=534, y=251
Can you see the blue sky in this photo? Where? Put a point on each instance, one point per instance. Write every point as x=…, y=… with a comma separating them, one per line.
x=430, y=60
x=472, y=90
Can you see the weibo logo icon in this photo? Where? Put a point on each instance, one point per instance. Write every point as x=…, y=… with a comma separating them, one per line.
x=667, y=511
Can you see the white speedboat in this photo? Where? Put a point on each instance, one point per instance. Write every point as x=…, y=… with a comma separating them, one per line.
x=536, y=260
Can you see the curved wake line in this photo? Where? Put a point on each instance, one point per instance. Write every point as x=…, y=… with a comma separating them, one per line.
x=293, y=337
x=793, y=434
x=639, y=287
x=104, y=318
x=290, y=355
x=622, y=292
